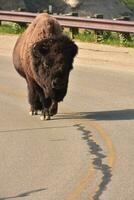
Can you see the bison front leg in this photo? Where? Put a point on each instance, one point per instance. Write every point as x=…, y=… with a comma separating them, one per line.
x=45, y=115
x=45, y=111
x=50, y=109
x=34, y=92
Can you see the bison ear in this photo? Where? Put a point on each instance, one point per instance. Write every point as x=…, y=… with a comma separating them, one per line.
x=39, y=49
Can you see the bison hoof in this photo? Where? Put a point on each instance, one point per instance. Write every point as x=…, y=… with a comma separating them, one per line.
x=44, y=118
x=47, y=117
x=31, y=113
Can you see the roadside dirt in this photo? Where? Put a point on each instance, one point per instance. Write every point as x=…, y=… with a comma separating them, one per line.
x=7, y=43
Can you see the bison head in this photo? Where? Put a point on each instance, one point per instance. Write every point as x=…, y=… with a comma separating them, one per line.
x=52, y=62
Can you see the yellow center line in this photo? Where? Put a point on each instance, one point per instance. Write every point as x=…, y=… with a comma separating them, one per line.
x=108, y=142
x=82, y=185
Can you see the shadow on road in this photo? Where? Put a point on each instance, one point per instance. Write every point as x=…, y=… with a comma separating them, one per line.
x=25, y=194
x=127, y=114
x=32, y=129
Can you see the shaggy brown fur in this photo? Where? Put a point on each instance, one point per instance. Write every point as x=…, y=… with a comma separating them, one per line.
x=44, y=57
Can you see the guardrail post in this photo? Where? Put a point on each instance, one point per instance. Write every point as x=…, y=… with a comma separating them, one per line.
x=43, y=11
x=22, y=24
x=21, y=9
x=98, y=33
x=74, y=31
x=124, y=36
x=0, y=21
x=50, y=7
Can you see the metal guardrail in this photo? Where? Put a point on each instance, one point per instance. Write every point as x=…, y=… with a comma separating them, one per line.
x=76, y=22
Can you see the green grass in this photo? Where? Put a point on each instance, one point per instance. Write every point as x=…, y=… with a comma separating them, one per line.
x=129, y=3
x=110, y=38
x=11, y=28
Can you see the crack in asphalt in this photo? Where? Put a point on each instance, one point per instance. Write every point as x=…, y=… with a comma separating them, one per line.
x=98, y=164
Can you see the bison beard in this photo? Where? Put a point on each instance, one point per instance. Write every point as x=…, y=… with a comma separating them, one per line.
x=44, y=56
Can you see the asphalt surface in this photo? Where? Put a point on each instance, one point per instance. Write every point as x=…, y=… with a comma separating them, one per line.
x=86, y=151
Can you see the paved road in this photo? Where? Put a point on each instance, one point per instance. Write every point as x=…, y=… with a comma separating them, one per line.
x=86, y=151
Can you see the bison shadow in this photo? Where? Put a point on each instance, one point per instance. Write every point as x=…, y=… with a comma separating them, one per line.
x=127, y=114
x=111, y=115
x=25, y=194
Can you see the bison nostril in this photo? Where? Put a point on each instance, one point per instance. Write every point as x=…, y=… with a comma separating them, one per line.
x=58, y=83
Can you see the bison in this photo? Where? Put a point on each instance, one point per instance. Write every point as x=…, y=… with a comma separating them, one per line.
x=44, y=56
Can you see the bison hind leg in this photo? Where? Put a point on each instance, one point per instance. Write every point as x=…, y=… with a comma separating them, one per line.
x=53, y=108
